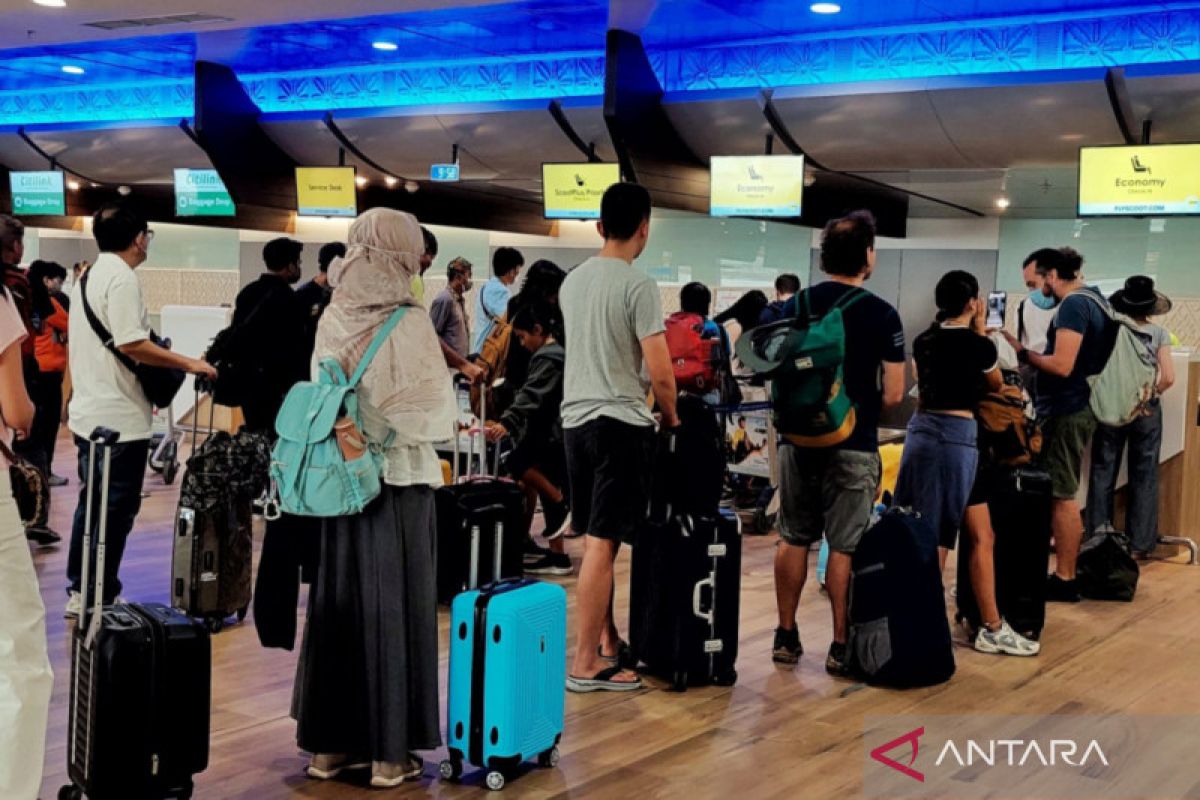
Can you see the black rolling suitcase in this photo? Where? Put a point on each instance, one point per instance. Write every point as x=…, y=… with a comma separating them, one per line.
x=684, y=598
x=477, y=501
x=140, y=685
x=1020, y=511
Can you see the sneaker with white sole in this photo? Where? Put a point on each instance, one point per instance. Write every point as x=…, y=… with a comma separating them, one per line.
x=1005, y=641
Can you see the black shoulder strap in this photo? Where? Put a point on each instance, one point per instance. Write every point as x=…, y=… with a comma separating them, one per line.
x=97, y=326
x=1021, y=321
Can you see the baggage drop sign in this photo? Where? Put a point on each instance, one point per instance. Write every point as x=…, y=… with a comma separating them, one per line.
x=37, y=193
x=201, y=193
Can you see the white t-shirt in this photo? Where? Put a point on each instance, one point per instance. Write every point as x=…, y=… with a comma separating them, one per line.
x=12, y=332
x=1036, y=324
x=105, y=391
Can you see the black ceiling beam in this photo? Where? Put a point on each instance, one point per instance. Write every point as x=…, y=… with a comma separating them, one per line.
x=649, y=148
x=1122, y=108
x=560, y=118
x=771, y=113
x=345, y=142
x=54, y=162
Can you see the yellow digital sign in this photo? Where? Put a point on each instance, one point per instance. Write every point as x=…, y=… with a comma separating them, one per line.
x=574, y=191
x=756, y=186
x=1142, y=180
x=326, y=192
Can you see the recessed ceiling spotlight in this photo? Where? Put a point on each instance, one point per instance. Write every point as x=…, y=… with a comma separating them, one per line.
x=362, y=181
x=73, y=186
x=385, y=46
x=71, y=69
x=411, y=186
x=51, y=3
x=124, y=191
x=1003, y=203
x=825, y=8
x=391, y=181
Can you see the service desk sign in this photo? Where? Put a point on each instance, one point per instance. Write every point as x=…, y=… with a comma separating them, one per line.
x=201, y=193
x=1148, y=180
x=756, y=186
x=574, y=191
x=326, y=192
x=37, y=193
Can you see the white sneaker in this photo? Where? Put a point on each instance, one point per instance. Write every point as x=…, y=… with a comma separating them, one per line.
x=1005, y=641
x=74, y=606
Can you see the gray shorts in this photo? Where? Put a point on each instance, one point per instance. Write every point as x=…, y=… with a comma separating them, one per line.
x=826, y=492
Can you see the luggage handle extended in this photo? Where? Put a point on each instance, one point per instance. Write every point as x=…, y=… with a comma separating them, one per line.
x=91, y=614
x=476, y=535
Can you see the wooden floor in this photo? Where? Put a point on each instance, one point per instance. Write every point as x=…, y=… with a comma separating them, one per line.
x=778, y=733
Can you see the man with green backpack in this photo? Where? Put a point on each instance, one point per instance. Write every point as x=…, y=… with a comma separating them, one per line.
x=835, y=363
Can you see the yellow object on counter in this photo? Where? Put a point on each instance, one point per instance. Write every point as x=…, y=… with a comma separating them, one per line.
x=890, y=455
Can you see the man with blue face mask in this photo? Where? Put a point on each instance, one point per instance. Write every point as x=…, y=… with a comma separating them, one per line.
x=1036, y=312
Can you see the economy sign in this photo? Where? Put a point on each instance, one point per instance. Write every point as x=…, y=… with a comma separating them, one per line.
x=1143, y=180
x=201, y=193
x=574, y=191
x=326, y=192
x=756, y=186
x=37, y=193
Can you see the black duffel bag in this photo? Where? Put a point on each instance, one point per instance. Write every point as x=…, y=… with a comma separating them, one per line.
x=1106, y=570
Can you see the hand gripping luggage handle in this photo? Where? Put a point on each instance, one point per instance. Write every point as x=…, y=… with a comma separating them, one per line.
x=697, y=605
x=91, y=615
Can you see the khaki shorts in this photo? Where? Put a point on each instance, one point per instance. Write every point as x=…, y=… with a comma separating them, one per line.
x=828, y=493
x=1063, y=441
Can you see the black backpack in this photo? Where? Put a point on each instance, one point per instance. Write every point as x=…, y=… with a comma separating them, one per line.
x=899, y=634
x=1106, y=570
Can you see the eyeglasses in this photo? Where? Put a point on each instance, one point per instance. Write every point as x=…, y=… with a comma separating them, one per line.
x=149, y=235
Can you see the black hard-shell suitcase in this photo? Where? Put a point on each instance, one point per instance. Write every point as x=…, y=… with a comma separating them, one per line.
x=138, y=722
x=1020, y=510
x=477, y=501
x=685, y=599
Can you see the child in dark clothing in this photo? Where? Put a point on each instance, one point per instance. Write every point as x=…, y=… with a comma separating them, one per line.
x=533, y=421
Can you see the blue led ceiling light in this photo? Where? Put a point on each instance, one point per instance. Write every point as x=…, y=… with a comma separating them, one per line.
x=387, y=47
x=825, y=8
x=71, y=69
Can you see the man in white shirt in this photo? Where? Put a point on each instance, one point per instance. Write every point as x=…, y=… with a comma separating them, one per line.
x=106, y=392
x=1036, y=312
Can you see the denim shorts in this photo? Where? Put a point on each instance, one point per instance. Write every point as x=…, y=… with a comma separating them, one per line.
x=826, y=492
x=937, y=471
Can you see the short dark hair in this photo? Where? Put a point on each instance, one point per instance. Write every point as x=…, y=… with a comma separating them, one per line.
x=457, y=266
x=1066, y=262
x=12, y=230
x=1044, y=258
x=328, y=253
x=116, y=227
x=505, y=260
x=695, y=298
x=431, y=243
x=623, y=210
x=787, y=283
x=845, y=242
x=952, y=293
x=281, y=253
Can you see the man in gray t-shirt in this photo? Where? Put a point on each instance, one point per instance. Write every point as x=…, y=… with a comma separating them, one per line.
x=616, y=353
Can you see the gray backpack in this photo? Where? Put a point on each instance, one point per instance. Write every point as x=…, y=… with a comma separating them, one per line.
x=1123, y=390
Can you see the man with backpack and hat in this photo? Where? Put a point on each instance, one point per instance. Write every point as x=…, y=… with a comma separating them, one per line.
x=829, y=465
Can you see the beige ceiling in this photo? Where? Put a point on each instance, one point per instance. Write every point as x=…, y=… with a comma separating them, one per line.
x=24, y=24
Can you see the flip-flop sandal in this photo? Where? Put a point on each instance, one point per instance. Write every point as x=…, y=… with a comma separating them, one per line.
x=623, y=653
x=603, y=681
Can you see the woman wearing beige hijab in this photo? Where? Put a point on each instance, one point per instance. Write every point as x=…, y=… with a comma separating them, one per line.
x=367, y=682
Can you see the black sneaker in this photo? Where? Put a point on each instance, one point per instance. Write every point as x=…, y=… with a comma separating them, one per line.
x=787, y=649
x=837, y=663
x=550, y=564
x=41, y=535
x=556, y=516
x=1060, y=591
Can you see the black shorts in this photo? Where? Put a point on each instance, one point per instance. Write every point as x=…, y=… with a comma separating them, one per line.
x=545, y=454
x=609, y=465
x=987, y=477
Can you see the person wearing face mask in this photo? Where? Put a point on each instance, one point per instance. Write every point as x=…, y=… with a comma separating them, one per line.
x=449, y=310
x=1036, y=312
x=106, y=391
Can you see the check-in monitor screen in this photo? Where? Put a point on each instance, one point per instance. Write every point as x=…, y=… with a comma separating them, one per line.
x=1140, y=180
x=756, y=186
x=326, y=192
x=201, y=193
x=37, y=193
x=574, y=191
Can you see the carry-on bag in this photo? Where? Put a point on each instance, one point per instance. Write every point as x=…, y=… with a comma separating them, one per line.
x=476, y=500
x=1019, y=507
x=899, y=635
x=138, y=722
x=507, y=682
x=1106, y=570
x=684, y=602
x=212, y=554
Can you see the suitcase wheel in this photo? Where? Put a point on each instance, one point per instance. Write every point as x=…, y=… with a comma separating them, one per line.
x=241, y=613
x=548, y=759
x=495, y=780
x=679, y=682
x=725, y=678
x=214, y=624
x=450, y=770
x=70, y=792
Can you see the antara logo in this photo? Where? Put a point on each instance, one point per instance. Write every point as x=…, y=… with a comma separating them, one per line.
x=913, y=740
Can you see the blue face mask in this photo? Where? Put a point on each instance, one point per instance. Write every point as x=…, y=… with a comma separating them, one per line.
x=1043, y=301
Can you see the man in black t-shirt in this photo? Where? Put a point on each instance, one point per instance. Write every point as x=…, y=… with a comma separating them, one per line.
x=830, y=491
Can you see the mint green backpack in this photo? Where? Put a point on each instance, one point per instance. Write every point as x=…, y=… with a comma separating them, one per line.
x=309, y=472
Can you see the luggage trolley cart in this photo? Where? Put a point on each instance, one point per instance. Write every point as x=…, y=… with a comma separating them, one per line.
x=164, y=458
